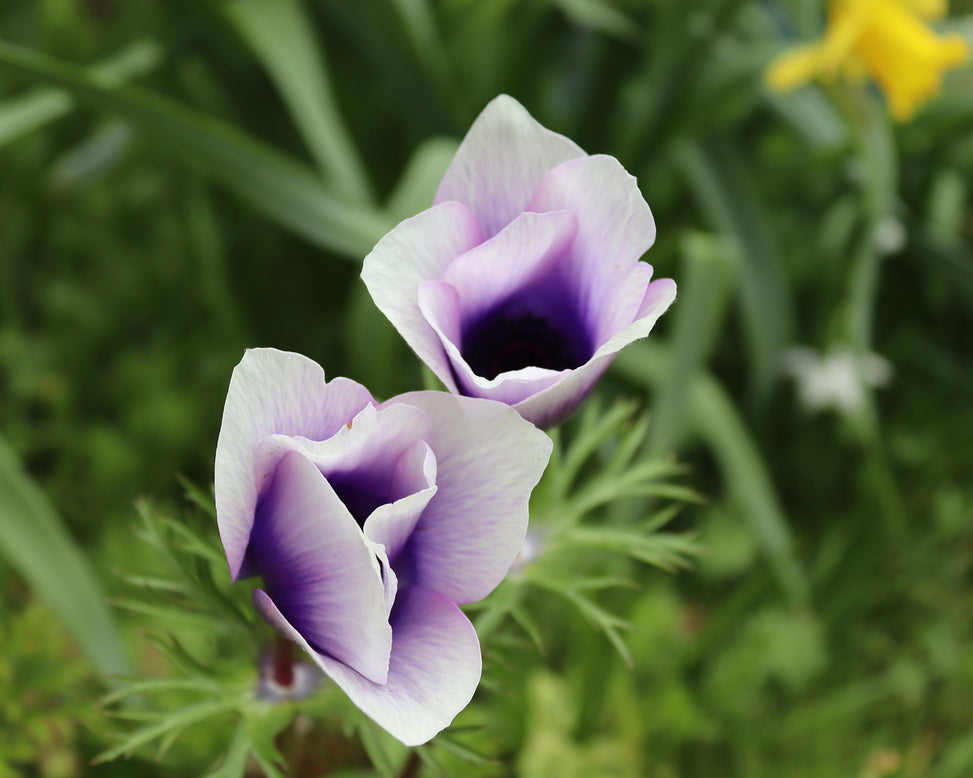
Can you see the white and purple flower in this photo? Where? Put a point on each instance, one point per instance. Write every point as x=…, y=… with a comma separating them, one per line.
x=370, y=524
x=523, y=281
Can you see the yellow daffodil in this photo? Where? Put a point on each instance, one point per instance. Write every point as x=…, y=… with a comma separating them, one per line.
x=885, y=39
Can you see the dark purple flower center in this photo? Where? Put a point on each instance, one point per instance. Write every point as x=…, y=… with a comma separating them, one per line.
x=507, y=339
x=362, y=491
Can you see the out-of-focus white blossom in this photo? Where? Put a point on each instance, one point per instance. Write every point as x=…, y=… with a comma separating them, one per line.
x=836, y=380
x=890, y=235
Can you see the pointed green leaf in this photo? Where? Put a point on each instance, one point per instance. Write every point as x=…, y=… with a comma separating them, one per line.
x=280, y=34
x=717, y=174
x=36, y=544
x=275, y=184
x=26, y=113
x=713, y=418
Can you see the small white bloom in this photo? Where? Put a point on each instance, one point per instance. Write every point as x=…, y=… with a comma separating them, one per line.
x=890, y=235
x=835, y=380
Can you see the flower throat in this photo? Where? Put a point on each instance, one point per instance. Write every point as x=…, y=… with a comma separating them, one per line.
x=499, y=343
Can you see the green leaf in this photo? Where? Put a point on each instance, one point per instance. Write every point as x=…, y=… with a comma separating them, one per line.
x=714, y=419
x=178, y=656
x=36, y=544
x=708, y=270
x=174, y=724
x=599, y=15
x=573, y=590
x=596, y=426
x=666, y=550
x=264, y=723
x=376, y=744
x=278, y=186
x=234, y=762
x=280, y=34
x=26, y=113
x=194, y=684
x=418, y=183
x=721, y=182
x=200, y=498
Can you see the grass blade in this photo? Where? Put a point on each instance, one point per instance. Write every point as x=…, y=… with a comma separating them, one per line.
x=25, y=113
x=718, y=177
x=39, y=548
x=709, y=269
x=279, y=33
x=278, y=186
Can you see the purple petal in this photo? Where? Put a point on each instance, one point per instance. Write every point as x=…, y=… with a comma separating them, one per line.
x=658, y=297
x=489, y=459
x=522, y=254
x=500, y=162
x=553, y=405
x=318, y=569
x=512, y=274
x=415, y=476
x=271, y=392
x=417, y=250
x=615, y=227
x=359, y=460
x=433, y=672
x=439, y=303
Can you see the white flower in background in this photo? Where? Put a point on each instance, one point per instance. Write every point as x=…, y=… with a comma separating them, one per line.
x=835, y=380
x=890, y=235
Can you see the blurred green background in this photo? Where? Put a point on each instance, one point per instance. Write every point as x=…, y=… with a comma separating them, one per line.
x=181, y=180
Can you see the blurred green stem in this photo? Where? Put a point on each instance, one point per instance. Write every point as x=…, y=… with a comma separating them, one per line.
x=880, y=185
x=708, y=271
x=419, y=24
x=25, y=113
x=717, y=174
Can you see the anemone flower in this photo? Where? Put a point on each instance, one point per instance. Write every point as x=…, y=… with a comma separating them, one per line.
x=370, y=525
x=522, y=282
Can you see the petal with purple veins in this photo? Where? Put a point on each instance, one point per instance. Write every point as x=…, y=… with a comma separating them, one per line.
x=417, y=250
x=500, y=162
x=318, y=569
x=615, y=228
x=489, y=459
x=434, y=668
x=554, y=404
x=271, y=392
x=391, y=524
x=360, y=459
x=520, y=256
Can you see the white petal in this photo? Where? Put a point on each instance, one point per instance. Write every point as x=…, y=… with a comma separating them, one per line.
x=501, y=161
x=271, y=392
x=553, y=405
x=489, y=459
x=318, y=569
x=433, y=673
x=417, y=250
